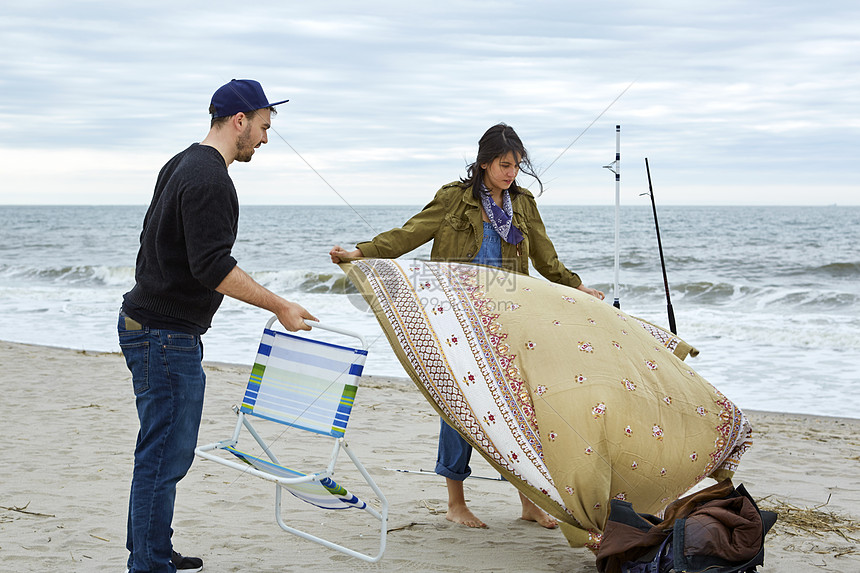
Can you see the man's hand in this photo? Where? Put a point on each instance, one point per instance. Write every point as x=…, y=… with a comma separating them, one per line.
x=293, y=316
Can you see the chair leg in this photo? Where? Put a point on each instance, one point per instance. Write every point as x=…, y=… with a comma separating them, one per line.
x=329, y=544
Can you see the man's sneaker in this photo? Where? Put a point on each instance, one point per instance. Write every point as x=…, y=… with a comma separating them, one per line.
x=187, y=564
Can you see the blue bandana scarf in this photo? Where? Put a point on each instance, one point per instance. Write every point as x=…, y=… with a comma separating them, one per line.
x=501, y=218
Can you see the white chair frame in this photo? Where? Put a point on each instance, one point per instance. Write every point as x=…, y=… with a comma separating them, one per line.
x=208, y=452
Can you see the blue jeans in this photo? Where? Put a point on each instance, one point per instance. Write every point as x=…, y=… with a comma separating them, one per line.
x=452, y=460
x=167, y=374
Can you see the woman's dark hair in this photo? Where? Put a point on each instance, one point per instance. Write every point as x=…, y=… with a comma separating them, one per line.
x=497, y=141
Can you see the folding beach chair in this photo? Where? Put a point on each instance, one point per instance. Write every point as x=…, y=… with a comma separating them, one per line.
x=310, y=386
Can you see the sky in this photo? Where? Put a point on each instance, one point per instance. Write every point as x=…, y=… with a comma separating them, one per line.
x=732, y=103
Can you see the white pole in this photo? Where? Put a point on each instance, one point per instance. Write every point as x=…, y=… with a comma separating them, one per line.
x=615, y=167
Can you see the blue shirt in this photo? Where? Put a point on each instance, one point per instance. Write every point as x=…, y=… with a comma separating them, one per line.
x=490, y=253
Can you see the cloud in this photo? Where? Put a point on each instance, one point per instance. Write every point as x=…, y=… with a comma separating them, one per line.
x=389, y=98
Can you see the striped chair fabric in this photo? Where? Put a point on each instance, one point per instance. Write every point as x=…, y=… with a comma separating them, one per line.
x=324, y=493
x=304, y=383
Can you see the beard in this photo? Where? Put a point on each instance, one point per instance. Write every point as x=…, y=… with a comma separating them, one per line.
x=244, y=146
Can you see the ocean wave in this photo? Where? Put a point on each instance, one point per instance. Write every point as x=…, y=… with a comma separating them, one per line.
x=702, y=293
x=843, y=270
x=768, y=327
x=698, y=293
x=791, y=297
x=97, y=276
x=800, y=298
x=305, y=282
x=73, y=275
x=838, y=270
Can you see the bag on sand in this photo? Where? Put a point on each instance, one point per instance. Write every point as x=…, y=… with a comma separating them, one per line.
x=719, y=530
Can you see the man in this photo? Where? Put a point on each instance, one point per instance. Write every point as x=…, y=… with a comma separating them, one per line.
x=184, y=268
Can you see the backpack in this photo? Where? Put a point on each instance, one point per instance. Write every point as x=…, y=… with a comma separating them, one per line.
x=719, y=530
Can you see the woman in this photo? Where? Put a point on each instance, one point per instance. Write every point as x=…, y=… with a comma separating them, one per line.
x=485, y=219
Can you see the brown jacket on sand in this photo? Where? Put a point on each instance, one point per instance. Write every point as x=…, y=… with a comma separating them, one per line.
x=716, y=529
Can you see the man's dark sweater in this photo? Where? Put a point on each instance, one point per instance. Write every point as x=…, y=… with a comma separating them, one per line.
x=188, y=234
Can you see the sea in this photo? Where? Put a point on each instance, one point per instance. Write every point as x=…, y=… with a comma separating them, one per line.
x=769, y=295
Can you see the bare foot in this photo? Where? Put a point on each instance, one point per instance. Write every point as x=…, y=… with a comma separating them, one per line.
x=458, y=511
x=531, y=512
x=463, y=515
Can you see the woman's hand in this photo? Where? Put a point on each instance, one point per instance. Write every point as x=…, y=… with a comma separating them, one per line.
x=340, y=255
x=592, y=291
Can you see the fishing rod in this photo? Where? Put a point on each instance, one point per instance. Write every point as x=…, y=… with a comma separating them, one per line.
x=312, y=168
x=427, y=473
x=618, y=97
x=671, y=312
x=342, y=198
x=615, y=167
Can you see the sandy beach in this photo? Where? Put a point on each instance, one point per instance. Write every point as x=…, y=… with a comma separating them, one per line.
x=71, y=424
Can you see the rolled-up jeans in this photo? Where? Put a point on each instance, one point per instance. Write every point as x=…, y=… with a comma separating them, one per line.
x=453, y=455
x=167, y=375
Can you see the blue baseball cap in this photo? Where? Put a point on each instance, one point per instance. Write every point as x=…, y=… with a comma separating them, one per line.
x=239, y=96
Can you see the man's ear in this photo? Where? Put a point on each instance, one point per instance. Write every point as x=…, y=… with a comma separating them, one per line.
x=240, y=120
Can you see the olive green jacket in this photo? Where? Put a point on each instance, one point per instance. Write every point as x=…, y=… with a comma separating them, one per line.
x=453, y=219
